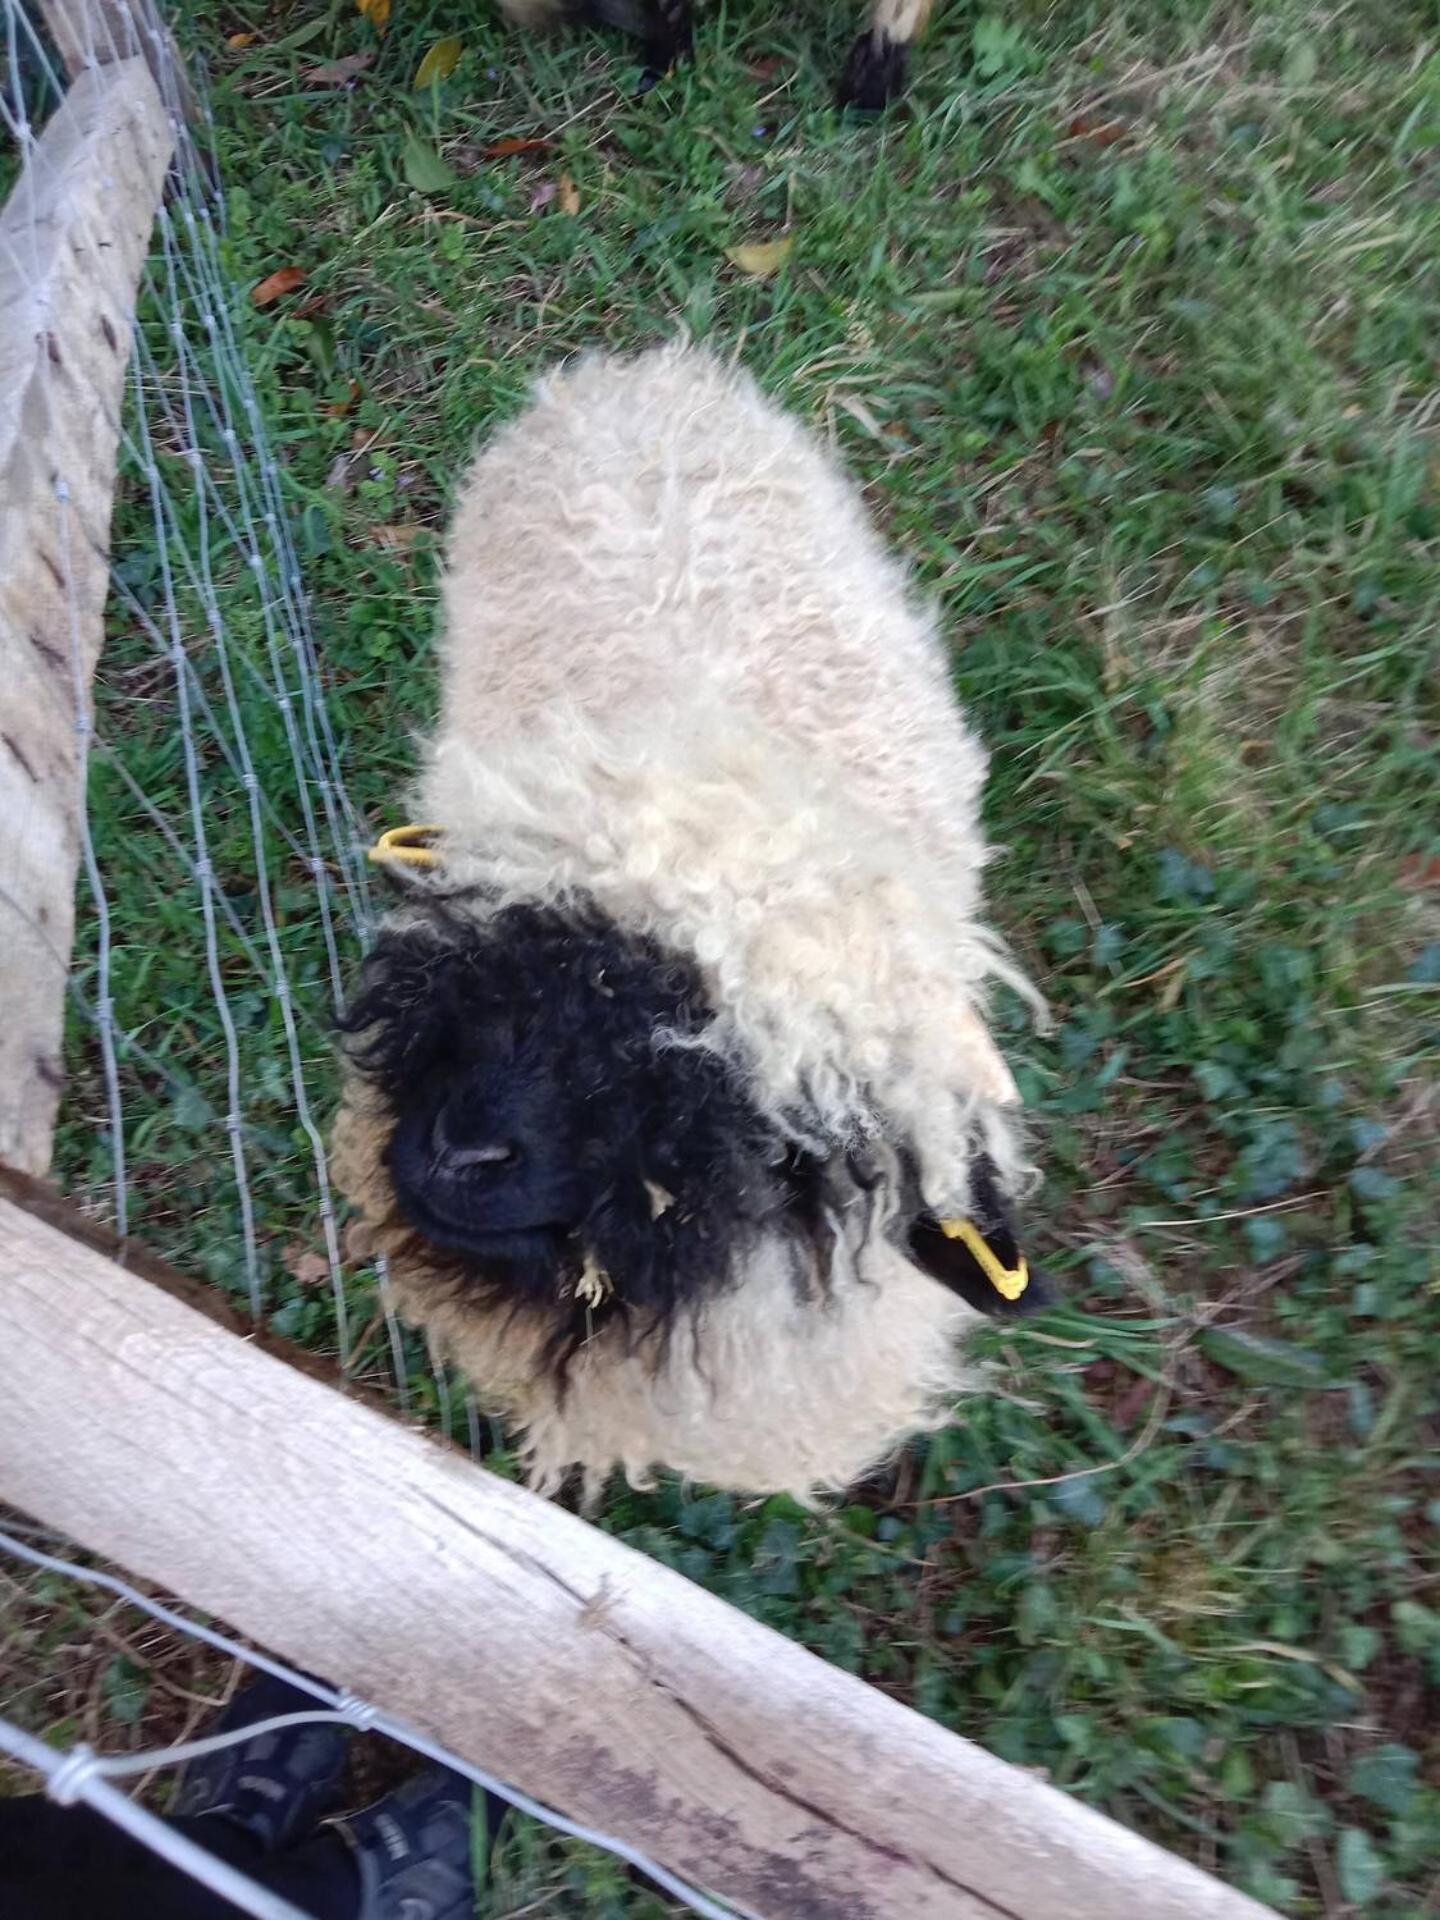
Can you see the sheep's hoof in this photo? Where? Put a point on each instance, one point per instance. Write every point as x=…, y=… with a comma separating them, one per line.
x=874, y=74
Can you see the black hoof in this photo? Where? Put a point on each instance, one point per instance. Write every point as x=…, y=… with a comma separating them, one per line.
x=669, y=39
x=874, y=74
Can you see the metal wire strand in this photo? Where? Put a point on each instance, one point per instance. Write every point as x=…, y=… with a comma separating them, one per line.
x=336, y=1705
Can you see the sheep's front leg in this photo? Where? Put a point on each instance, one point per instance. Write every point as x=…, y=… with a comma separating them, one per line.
x=875, y=71
x=667, y=38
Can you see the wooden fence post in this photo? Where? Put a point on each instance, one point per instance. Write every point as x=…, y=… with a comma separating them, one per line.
x=73, y=239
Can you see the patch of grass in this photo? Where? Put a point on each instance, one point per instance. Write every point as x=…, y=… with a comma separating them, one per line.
x=1127, y=324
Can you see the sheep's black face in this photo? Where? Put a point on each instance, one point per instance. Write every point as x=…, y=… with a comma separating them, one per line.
x=558, y=1132
x=483, y=1152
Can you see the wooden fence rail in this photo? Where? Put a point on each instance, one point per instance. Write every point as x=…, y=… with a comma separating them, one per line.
x=531, y=1644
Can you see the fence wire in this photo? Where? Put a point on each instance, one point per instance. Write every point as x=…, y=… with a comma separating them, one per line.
x=82, y=1776
x=225, y=890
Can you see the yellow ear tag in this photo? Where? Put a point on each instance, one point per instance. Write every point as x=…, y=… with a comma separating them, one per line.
x=407, y=846
x=1008, y=1282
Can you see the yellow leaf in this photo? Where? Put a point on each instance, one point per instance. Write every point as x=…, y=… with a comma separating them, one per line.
x=377, y=12
x=568, y=198
x=239, y=40
x=441, y=61
x=760, y=258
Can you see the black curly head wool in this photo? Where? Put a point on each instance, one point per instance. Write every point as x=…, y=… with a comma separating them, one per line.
x=561, y=1135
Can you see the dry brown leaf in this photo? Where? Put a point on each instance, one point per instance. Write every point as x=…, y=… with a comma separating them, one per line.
x=441, y=60
x=239, y=40
x=377, y=12
x=1417, y=871
x=283, y=280
x=339, y=73
x=503, y=149
x=567, y=197
x=337, y=409
x=1105, y=133
x=398, y=538
x=1133, y=1402
x=760, y=258
x=310, y=1269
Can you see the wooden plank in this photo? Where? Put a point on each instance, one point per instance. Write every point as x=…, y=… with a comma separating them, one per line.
x=525, y=1640
x=73, y=237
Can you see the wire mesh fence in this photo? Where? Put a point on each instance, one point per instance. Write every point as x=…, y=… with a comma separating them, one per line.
x=224, y=891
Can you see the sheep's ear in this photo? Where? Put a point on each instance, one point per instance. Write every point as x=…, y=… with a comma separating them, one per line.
x=987, y=1074
x=979, y=1256
x=989, y=1272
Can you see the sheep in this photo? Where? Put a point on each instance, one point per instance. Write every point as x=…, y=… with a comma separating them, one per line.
x=668, y=1091
x=873, y=76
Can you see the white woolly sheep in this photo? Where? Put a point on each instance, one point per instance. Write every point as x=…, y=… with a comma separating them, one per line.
x=874, y=73
x=669, y=1091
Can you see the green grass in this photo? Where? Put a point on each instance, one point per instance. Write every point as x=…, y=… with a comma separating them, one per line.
x=1127, y=323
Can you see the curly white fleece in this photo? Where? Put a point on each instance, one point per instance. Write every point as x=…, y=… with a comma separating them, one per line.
x=683, y=676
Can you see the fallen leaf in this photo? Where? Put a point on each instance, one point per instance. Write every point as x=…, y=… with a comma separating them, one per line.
x=1104, y=133
x=337, y=409
x=377, y=12
x=567, y=198
x=542, y=196
x=283, y=280
x=1419, y=872
x=339, y=73
x=441, y=61
x=760, y=258
x=424, y=168
x=1132, y=1402
x=310, y=1269
x=398, y=538
x=503, y=149
x=239, y=40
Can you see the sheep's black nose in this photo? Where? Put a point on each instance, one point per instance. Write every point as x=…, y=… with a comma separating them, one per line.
x=462, y=1159
x=461, y=1141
